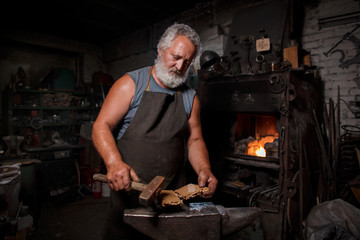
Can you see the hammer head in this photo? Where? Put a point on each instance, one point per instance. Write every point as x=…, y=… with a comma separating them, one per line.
x=151, y=191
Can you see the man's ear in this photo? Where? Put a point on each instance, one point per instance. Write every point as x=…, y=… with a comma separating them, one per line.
x=160, y=51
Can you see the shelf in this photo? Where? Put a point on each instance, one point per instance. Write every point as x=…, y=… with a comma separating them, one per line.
x=37, y=91
x=54, y=108
x=43, y=115
x=254, y=163
x=61, y=124
x=54, y=148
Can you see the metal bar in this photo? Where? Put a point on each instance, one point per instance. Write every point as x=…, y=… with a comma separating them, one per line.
x=339, y=20
x=301, y=189
x=332, y=132
x=322, y=147
x=254, y=163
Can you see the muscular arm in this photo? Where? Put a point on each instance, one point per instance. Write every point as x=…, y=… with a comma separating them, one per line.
x=113, y=110
x=198, y=154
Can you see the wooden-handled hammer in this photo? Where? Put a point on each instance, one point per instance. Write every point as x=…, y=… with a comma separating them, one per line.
x=149, y=192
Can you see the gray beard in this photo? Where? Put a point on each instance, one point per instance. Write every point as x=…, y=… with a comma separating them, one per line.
x=171, y=78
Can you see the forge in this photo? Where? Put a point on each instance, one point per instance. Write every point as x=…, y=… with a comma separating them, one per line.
x=260, y=130
x=256, y=135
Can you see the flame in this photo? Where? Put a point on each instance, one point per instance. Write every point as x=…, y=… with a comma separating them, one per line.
x=261, y=152
x=256, y=147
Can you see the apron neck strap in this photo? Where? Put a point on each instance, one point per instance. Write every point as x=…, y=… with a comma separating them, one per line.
x=148, y=84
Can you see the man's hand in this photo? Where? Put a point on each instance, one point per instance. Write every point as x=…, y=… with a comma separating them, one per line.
x=120, y=176
x=207, y=179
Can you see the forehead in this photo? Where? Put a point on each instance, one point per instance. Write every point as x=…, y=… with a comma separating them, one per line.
x=183, y=46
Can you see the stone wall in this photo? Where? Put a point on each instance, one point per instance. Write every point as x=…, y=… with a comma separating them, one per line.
x=339, y=75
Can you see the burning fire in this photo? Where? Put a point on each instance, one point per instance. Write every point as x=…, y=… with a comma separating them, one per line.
x=256, y=147
x=261, y=152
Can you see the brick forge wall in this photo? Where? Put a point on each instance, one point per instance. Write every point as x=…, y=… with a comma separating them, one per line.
x=336, y=72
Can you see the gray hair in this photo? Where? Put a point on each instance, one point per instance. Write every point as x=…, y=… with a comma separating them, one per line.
x=179, y=29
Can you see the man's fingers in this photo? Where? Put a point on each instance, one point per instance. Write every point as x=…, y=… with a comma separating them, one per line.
x=121, y=180
x=207, y=179
x=113, y=186
x=134, y=176
x=116, y=182
x=202, y=180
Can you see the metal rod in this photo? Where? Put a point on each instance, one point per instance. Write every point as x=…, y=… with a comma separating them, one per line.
x=301, y=193
x=346, y=35
x=254, y=163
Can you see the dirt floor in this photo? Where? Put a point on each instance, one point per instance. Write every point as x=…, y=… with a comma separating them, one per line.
x=79, y=220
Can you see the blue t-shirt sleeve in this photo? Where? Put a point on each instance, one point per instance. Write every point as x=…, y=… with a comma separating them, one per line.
x=188, y=99
x=138, y=77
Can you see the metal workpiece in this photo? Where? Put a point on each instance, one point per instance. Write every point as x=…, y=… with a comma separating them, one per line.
x=200, y=221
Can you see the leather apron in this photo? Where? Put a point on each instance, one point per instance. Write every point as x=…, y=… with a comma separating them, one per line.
x=153, y=144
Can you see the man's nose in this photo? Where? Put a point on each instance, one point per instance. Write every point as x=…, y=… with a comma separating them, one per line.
x=180, y=65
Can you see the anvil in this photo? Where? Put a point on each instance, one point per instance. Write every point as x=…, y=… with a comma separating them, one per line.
x=202, y=220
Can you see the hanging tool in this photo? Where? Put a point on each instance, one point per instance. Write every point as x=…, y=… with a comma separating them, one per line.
x=346, y=35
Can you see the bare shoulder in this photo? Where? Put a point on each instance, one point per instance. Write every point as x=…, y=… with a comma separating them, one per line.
x=123, y=89
x=117, y=101
x=125, y=83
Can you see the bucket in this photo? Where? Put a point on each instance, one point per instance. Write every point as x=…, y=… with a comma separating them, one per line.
x=10, y=185
x=105, y=190
x=96, y=187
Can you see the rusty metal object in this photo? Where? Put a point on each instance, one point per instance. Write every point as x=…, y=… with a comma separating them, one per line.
x=170, y=198
x=201, y=221
x=151, y=191
x=190, y=191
